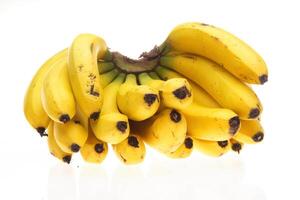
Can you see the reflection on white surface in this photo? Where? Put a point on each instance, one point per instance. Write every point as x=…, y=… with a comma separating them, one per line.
x=160, y=179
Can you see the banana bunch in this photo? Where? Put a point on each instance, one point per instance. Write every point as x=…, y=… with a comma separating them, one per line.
x=191, y=92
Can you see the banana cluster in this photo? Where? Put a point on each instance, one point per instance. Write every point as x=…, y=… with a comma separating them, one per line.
x=191, y=92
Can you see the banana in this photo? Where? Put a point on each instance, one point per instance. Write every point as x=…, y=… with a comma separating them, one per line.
x=175, y=93
x=112, y=126
x=184, y=150
x=84, y=53
x=104, y=67
x=138, y=102
x=220, y=46
x=108, y=77
x=70, y=136
x=164, y=131
x=54, y=149
x=132, y=150
x=94, y=150
x=57, y=95
x=212, y=148
x=251, y=132
x=200, y=96
x=226, y=89
x=33, y=108
x=236, y=145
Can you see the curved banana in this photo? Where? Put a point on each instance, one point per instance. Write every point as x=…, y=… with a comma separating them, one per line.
x=108, y=77
x=112, y=126
x=222, y=47
x=57, y=95
x=70, y=136
x=251, y=132
x=200, y=96
x=212, y=148
x=54, y=149
x=104, y=67
x=132, y=150
x=164, y=131
x=94, y=150
x=184, y=150
x=236, y=146
x=138, y=102
x=33, y=108
x=175, y=93
x=84, y=54
x=226, y=89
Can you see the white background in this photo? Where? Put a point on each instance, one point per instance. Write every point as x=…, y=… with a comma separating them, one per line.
x=33, y=30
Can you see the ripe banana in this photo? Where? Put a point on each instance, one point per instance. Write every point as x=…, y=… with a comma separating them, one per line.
x=220, y=46
x=94, y=150
x=132, y=150
x=57, y=95
x=227, y=90
x=112, y=126
x=84, y=53
x=108, y=77
x=184, y=150
x=251, y=132
x=175, y=93
x=138, y=102
x=212, y=148
x=215, y=124
x=54, y=149
x=33, y=108
x=104, y=67
x=70, y=136
x=236, y=145
x=164, y=131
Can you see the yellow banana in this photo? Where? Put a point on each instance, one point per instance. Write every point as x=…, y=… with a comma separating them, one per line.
x=57, y=95
x=132, y=150
x=236, y=145
x=227, y=90
x=184, y=150
x=212, y=148
x=104, y=67
x=164, y=132
x=94, y=150
x=220, y=46
x=54, y=149
x=70, y=136
x=112, y=126
x=33, y=108
x=108, y=77
x=138, y=102
x=175, y=93
x=84, y=53
x=251, y=132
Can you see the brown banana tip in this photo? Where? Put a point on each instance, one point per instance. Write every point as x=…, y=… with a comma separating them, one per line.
x=175, y=116
x=95, y=115
x=41, y=131
x=182, y=93
x=150, y=98
x=64, y=118
x=263, y=79
x=254, y=112
x=133, y=141
x=258, y=137
x=67, y=159
x=223, y=144
x=75, y=147
x=99, y=148
x=188, y=143
x=236, y=147
x=234, y=125
x=122, y=126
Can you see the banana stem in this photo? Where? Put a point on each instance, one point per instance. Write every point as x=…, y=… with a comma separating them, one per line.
x=131, y=79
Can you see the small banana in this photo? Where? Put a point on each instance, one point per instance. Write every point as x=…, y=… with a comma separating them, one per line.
x=138, y=102
x=184, y=150
x=33, y=107
x=132, y=150
x=54, y=149
x=112, y=126
x=251, y=132
x=212, y=148
x=108, y=77
x=84, y=54
x=236, y=145
x=220, y=46
x=104, y=67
